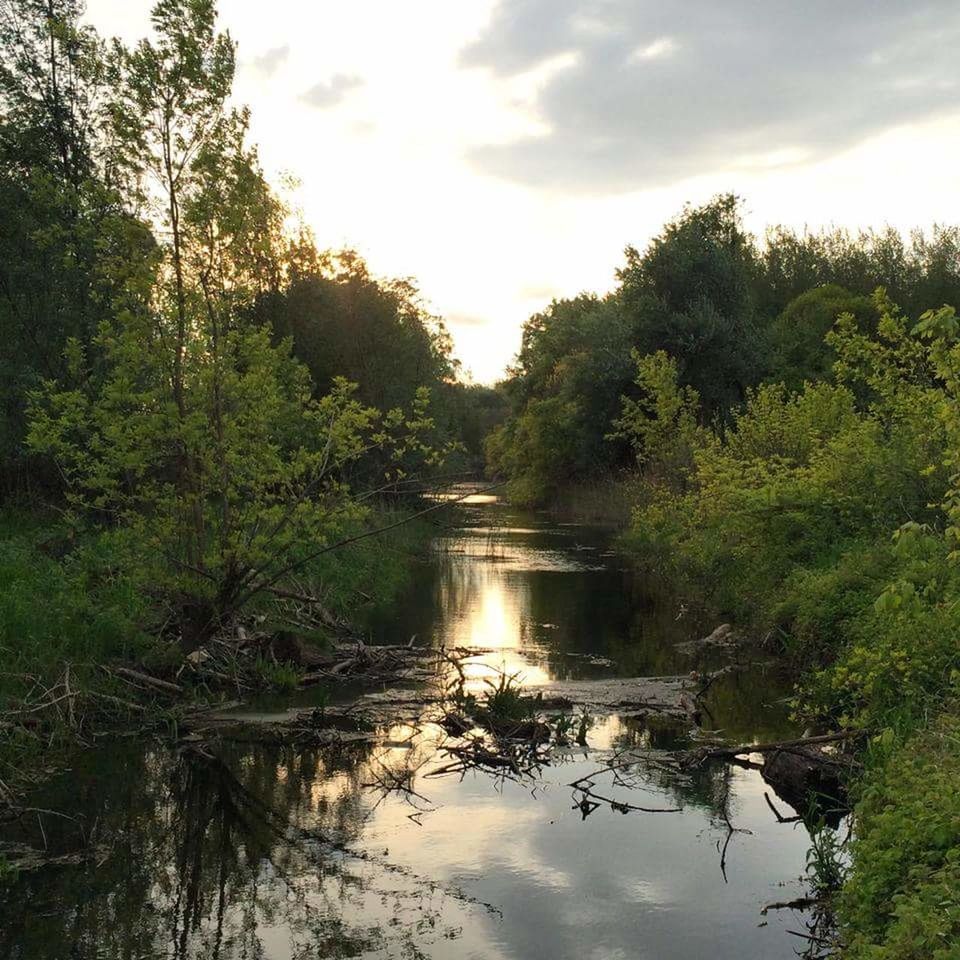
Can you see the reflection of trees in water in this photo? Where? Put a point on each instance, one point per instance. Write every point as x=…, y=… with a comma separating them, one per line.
x=211, y=857
x=643, y=758
x=473, y=592
x=616, y=614
x=752, y=706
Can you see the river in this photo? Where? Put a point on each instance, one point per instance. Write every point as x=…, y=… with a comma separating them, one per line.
x=271, y=852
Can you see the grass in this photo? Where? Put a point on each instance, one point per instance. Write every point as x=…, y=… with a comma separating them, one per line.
x=72, y=602
x=605, y=501
x=376, y=568
x=506, y=701
x=278, y=676
x=65, y=600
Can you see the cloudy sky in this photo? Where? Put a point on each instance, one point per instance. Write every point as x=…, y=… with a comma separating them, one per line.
x=503, y=152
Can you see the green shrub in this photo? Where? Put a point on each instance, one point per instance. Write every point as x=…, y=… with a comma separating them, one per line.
x=818, y=605
x=902, y=898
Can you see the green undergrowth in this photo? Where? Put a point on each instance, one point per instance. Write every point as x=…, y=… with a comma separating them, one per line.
x=73, y=601
x=66, y=599
x=901, y=900
x=827, y=518
x=376, y=568
x=603, y=501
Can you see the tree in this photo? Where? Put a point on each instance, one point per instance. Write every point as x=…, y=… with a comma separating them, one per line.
x=346, y=322
x=204, y=440
x=61, y=214
x=799, y=351
x=691, y=294
x=662, y=424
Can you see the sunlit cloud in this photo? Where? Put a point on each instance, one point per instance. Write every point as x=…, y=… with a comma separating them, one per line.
x=268, y=62
x=328, y=93
x=663, y=47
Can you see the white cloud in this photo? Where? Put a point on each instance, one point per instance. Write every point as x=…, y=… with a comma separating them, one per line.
x=662, y=47
x=328, y=93
x=395, y=171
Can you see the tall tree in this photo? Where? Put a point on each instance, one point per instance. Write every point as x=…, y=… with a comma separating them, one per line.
x=60, y=217
x=691, y=294
x=204, y=438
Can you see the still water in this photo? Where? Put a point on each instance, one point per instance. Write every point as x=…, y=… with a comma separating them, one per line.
x=231, y=850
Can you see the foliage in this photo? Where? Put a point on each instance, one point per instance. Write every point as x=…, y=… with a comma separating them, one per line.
x=63, y=217
x=76, y=598
x=691, y=295
x=505, y=700
x=825, y=866
x=201, y=436
x=902, y=898
x=796, y=476
x=787, y=513
x=661, y=425
x=277, y=676
x=69, y=596
x=339, y=316
x=538, y=448
x=573, y=365
x=730, y=312
x=799, y=351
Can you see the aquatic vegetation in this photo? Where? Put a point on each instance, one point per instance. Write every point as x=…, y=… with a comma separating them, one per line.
x=506, y=700
x=826, y=861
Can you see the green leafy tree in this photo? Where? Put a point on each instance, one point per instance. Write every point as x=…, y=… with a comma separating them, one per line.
x=204, y=439
x=62, y=217
x=662, y=424
x=798, y=348
x=691, y=294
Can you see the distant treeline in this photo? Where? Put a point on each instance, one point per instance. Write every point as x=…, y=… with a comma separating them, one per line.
x=731, y=310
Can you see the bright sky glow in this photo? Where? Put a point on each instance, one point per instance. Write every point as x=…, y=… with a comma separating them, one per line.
x=408, y=124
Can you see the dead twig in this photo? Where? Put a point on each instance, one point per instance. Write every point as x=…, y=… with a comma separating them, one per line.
x=164, y=686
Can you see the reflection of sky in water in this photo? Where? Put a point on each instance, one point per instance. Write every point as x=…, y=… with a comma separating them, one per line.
x=637, y=886
x=485, y=593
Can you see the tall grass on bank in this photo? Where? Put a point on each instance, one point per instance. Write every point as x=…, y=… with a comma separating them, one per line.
x=66, y=598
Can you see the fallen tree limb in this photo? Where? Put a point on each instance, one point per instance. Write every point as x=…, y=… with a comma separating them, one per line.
x=729, y=753
x=801, y=903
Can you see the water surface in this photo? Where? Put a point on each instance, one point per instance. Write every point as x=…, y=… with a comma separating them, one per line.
x=250, y=851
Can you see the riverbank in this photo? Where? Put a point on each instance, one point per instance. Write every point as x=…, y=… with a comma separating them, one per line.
x=86, y=654
x=867, y=625
x=867, y=660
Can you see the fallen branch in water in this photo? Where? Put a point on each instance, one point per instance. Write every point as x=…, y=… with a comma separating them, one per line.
x=730, y=753
x=707, y=680
x=400, y=781
x=801, y=903
x=780, y=817
x=590, y=800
